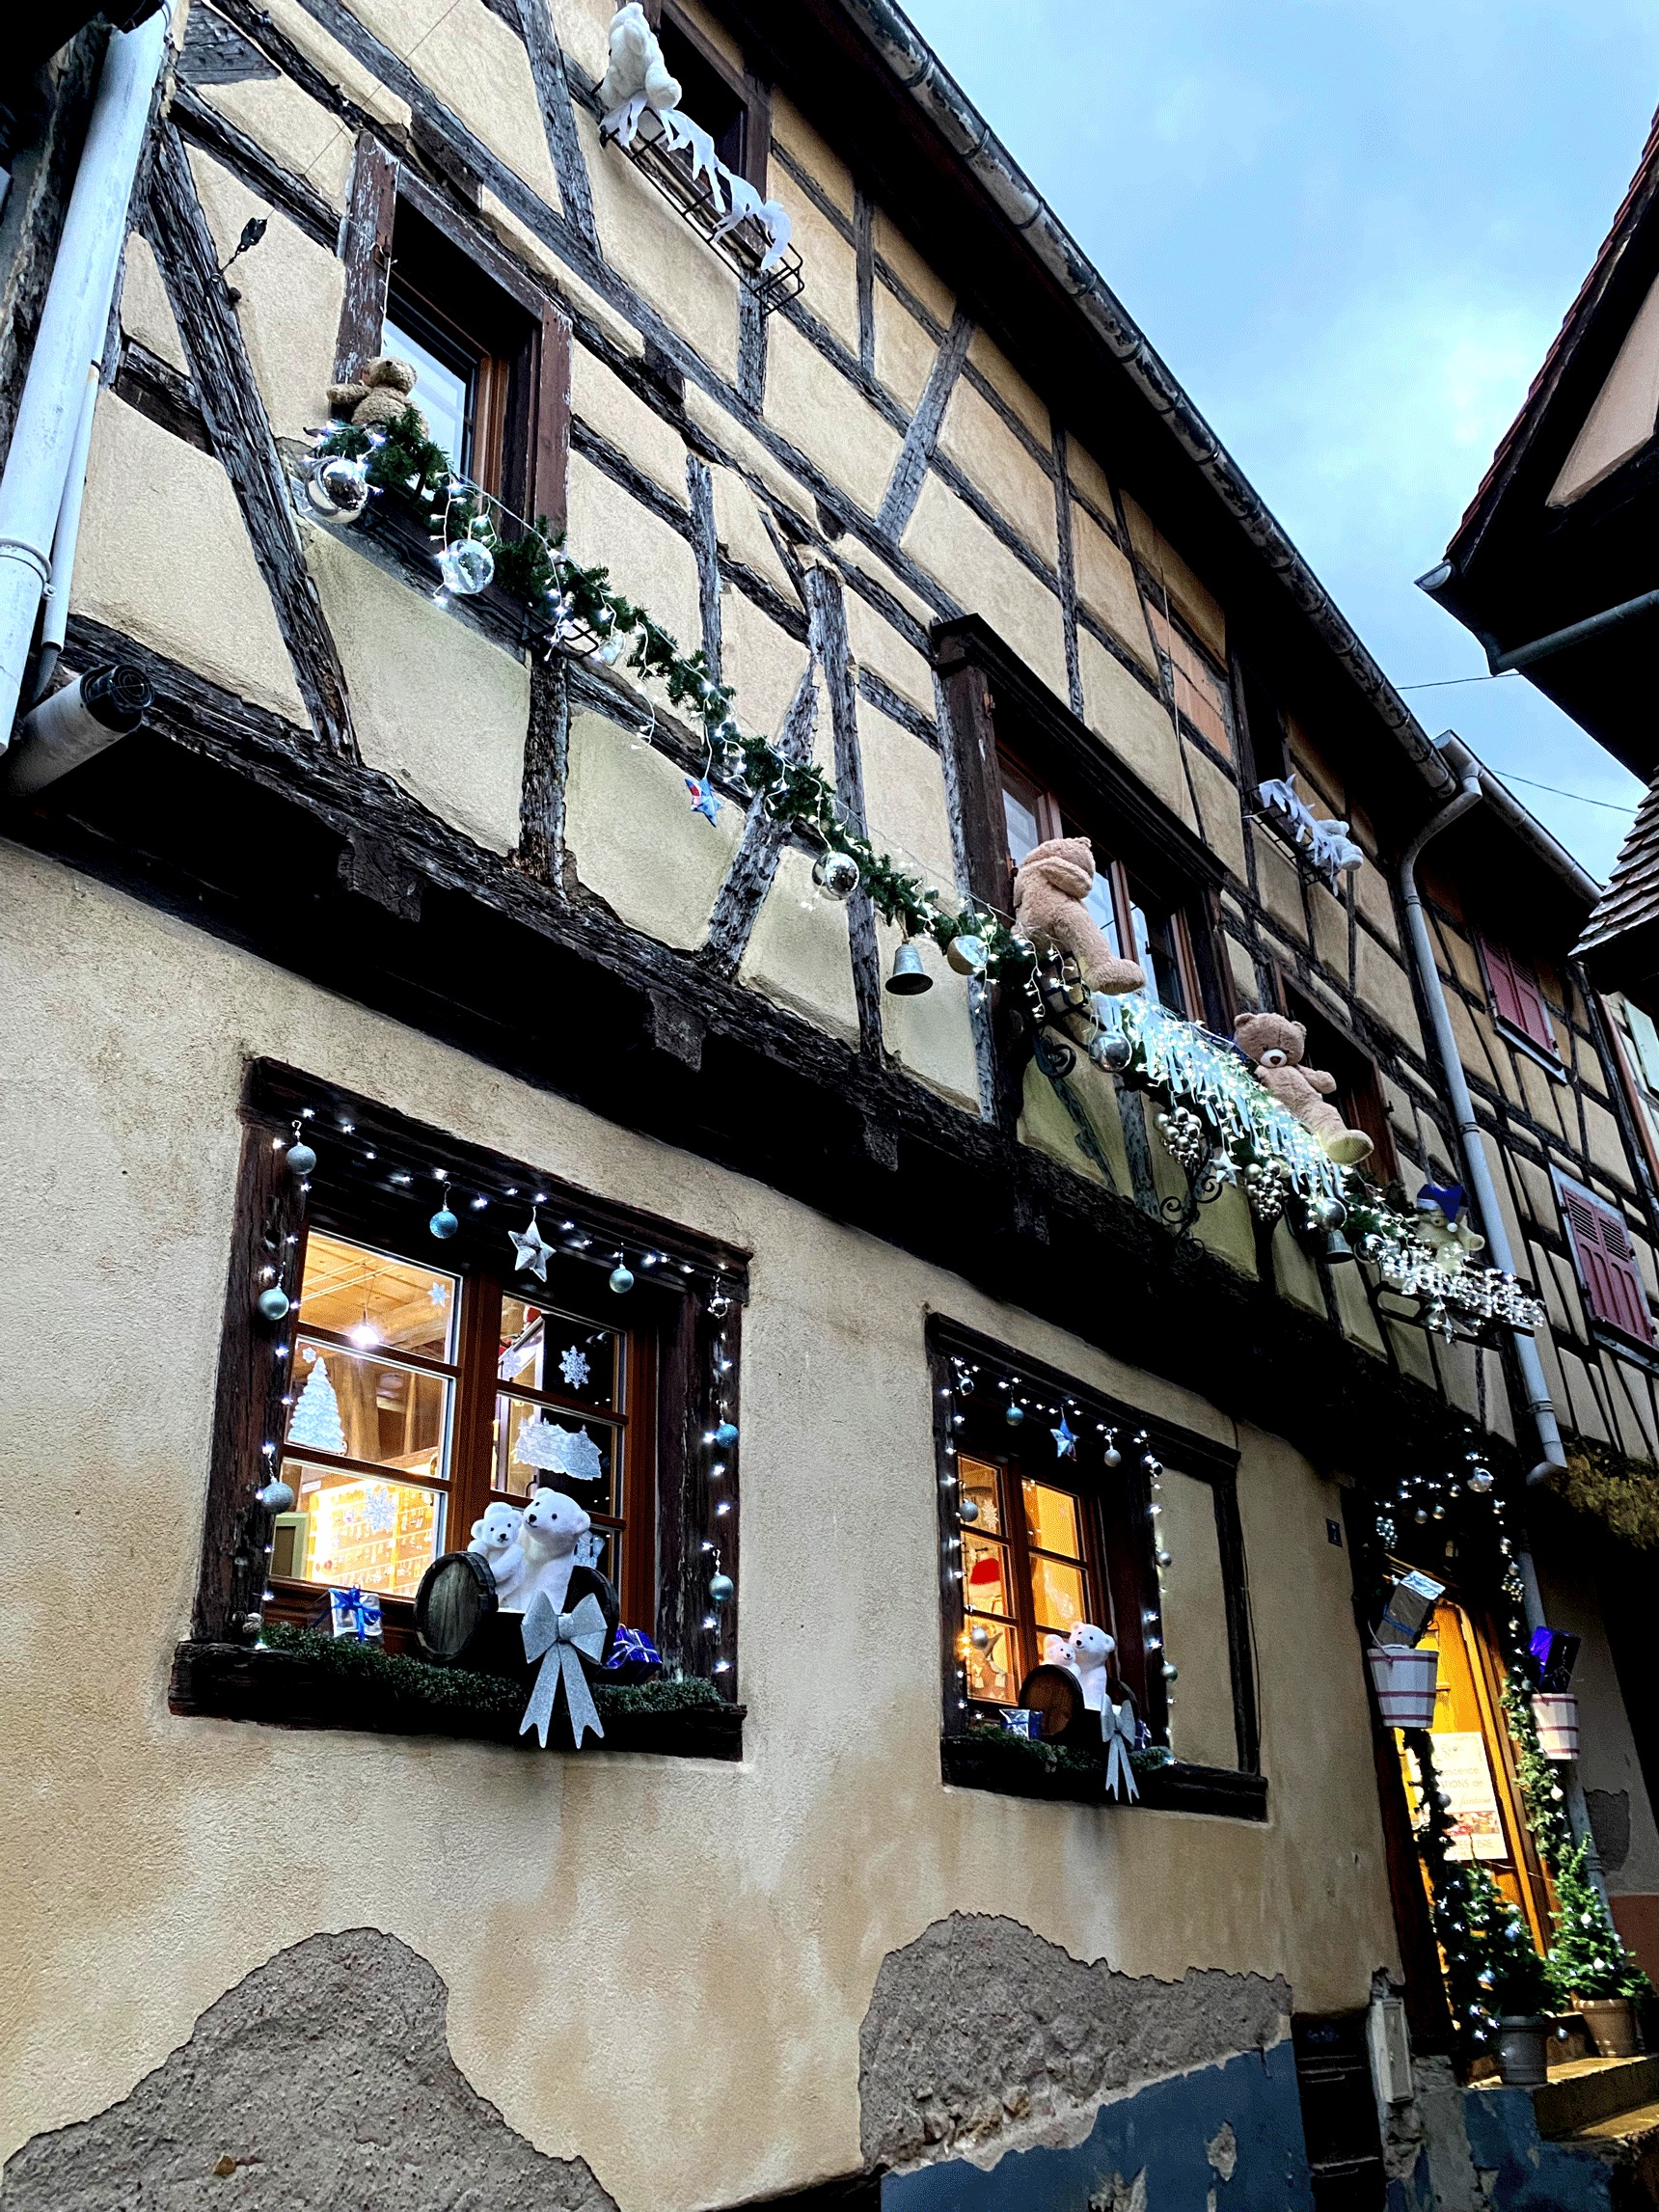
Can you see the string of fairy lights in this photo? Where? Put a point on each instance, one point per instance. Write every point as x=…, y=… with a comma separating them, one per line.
x=1022, y=1401
x=314, y=1132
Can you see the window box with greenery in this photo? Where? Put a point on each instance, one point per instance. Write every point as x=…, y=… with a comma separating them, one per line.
x=417, y=1330
x=1052, y=1512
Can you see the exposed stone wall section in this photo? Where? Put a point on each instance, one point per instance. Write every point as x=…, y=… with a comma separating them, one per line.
x=983, y=2037
x=322, y=2080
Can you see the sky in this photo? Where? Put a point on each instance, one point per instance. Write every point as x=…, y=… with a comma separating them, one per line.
x=1351, y=228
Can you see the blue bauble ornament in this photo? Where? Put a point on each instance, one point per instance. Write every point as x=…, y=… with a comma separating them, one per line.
x=725, y=1436
x=301, y=1159
x=720, y=1588
x=621, y=1280
x=275, y=1302
x=1015, y=1415
x=443, y=1224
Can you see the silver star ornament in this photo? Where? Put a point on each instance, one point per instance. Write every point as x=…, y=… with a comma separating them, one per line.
x=532, y=1248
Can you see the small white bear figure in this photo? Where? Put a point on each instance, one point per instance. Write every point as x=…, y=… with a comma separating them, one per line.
x=1056, y=1651
x=637, y=76
x=496, y=1539
x=1090, y=1648
x=548, y=1533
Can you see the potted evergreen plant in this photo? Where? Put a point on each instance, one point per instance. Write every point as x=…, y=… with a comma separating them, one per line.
x=1590, y=1972
x=1521, y=1992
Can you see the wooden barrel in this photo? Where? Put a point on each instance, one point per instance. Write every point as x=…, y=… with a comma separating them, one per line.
x=1056, y=1693
x=458, y=1623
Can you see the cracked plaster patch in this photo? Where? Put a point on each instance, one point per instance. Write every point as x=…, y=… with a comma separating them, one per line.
x=981, y=2037
x=323, y=2079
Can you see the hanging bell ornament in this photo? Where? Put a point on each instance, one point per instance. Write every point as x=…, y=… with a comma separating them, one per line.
x=275, y=1302
x=965, y=954
x=837, y=875
x=968, y=1509
x=720, y=1588
x=337, y=489
x=300, y=1159
x=910, y=978
x=443, y=1224
x=467, y=567
x=276, y=1497
x=1338, y=1248
x=621, y=1279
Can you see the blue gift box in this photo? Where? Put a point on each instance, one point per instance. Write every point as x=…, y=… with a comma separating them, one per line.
x=1022, y=1720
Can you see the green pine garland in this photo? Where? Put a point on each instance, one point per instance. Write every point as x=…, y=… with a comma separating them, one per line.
x=1586, y=1958
x=413, y=475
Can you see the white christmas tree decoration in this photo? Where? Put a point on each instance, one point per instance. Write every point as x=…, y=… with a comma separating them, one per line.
x=317, y=1417
x=568, y=1452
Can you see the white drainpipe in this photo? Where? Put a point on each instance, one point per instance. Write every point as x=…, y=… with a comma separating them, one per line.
x=70, y=337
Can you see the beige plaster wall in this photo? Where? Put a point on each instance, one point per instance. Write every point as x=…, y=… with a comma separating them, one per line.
x=1194, y=1607
x=633, y=839
x=605, y=1926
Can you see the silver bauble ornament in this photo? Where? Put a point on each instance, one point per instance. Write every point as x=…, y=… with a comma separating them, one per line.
x=837, y=875
x=1481, y=1480
x=967, y=954
x=980, y=1639
x=1111, y=1457
x=1326, y=1212
x=1165, y=1558
x=443, y=1224
x=1421, y=1516
x=621, y=1280
x=720, y=1588
x=276, y=1497
x=275, y=1302
x=467, y=566
x=337, y=489
x=1111, y=1049
x=968, y=1509
x=301, y=1159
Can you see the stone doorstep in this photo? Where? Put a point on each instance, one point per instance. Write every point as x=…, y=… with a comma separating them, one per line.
x=1604, y=2095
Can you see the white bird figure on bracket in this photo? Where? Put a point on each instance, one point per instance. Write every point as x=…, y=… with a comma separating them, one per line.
x=638, y=78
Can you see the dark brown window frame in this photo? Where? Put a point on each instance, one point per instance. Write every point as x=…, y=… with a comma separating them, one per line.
x=1359, y=1095
x=1123, y=1544
x=695, y=1512
x=531, y=397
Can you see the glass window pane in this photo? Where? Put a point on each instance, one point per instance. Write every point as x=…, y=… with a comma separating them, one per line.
x=991, y=1671
x=373, y=1300
x=1051, y=1519
x=381, y=1535
x=985, y=1575
x=1023, y=830
x=545, y=1351
x=978, y=1479
x=536, y=1451
x=1105, y=908
x=442, y=395
x=1155, y=951
x=363, y=1408
x=1057, y=1594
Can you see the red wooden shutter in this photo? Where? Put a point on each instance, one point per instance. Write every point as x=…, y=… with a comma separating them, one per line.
x=1607, y=1264
x=1515, y=995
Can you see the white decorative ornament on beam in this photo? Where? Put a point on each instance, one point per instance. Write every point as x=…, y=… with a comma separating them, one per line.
x=1326, y=843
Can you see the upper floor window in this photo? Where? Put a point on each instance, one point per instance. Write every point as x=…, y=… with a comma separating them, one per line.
x=1358, y=1096
x=1515, y=995
x=1134, y=921
x=1027, y=1571
x=1269, y=752
x=1199, y=686
x=1605, y=1260
x=730, y=105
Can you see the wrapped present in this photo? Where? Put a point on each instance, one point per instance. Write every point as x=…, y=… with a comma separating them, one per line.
x=1411, y=1602
x=633, y=1648
x=355, y=1612
x=1553, y=1655
x=1022, y=1720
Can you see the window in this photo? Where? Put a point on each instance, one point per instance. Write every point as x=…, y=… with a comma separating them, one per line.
x=1263, y=729
x=1025, y=1575
x=1517, y=998
x=730, y=105
x=415, y=1377
x=1606, y=1261
x=421, y=1393
x=1199, y=687
x=1134, y=922
x=1358, y=1096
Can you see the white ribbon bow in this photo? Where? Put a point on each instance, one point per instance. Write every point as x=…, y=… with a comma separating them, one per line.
x=557, y=1640
x=1118, y=1729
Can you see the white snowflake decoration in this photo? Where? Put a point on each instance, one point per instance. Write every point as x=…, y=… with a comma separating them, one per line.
x=379, y=1508
x=560, y=1451
x=573, y=1366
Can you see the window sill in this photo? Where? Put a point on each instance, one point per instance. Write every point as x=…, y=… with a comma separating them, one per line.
x=292, y=1689
x=1539, y=1055
x=1012, y=1771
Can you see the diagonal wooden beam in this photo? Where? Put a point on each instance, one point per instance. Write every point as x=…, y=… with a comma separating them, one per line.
x=918, y=450
x=241, y=433
x=755, y=864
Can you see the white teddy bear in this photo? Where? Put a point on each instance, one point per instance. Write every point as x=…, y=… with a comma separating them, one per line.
x=548, y=1534
x=495, y=1540
x=1088, y=1650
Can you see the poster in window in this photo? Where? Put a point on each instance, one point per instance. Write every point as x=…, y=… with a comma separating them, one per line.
x=1466, y=1777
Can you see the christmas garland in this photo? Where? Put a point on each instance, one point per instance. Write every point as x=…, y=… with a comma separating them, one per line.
x=413, y=1683
x=1621, y=1493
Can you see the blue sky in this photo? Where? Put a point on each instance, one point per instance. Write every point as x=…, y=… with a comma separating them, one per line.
x=1351, y=228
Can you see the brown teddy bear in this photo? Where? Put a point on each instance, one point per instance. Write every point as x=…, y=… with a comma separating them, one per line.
x=1049, y=887
x=380, y=393
x=1275, y=1045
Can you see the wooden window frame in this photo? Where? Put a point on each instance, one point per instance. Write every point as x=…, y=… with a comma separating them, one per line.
x=1515, y=999
x=1013, y=1469
x=695, y=1511
x=526, y=404
x=1121, y=1545
x=753, y=93
x=1358, y=1097
x=1600, y=1266
x=1263, y=735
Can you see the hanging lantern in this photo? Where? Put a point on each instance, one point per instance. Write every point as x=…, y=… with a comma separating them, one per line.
x=910, y=978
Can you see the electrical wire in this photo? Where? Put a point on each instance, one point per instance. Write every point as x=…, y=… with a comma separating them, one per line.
x=1611, y=805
